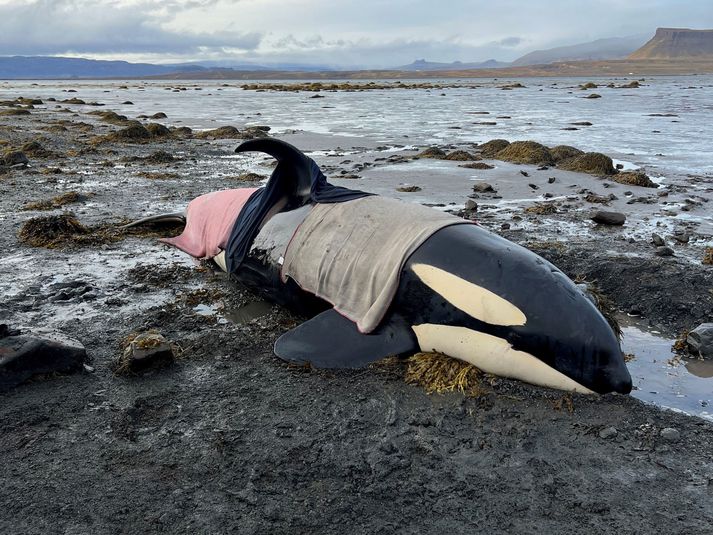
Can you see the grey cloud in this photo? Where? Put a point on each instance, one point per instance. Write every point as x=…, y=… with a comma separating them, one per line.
x=76, y=26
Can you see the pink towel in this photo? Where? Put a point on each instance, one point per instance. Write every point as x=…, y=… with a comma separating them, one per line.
x=209, y=220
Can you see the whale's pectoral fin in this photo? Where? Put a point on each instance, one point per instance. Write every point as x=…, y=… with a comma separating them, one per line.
x=330, y=340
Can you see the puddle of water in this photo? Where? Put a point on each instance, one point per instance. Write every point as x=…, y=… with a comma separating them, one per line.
x=663, y=378
x=239, y=316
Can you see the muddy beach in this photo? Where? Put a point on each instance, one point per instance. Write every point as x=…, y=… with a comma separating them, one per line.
x=230, y=439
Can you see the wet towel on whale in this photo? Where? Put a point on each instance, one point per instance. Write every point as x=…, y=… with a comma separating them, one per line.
x=209, y=221
x=351, y=254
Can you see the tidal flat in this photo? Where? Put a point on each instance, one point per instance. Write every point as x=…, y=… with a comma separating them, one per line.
x=231, y=438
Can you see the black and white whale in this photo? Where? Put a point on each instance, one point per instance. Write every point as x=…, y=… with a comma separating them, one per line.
x=464, y=292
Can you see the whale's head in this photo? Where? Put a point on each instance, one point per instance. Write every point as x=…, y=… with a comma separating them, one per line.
x=511, y=313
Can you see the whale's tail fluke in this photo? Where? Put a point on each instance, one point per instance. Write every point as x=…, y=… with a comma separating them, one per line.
x=177, y=217
x=289, y=157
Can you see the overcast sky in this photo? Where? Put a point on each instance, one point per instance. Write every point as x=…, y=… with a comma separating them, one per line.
x=366, y=33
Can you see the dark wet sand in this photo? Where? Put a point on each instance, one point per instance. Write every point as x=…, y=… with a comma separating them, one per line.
x=230, y=439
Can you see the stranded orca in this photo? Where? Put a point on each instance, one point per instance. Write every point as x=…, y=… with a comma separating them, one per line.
x=463, y=291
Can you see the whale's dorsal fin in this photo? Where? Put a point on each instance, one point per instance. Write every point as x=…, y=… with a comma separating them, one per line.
x=329, y=340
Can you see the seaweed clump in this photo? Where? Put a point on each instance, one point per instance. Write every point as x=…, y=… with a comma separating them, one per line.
x=51, y=231
x=438, y=373
x=460, y=156
x=135, y=131
x=432, y=152
x=56, y=202
x=563, y=152
x=490, y=148
x=601, y=301
x=594, y=163
x=542, y=208
x=527, y=152
x=708, y=256
x=634, y=178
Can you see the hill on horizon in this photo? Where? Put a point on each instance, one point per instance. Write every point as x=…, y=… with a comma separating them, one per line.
x=676, y=43
x=601, y=49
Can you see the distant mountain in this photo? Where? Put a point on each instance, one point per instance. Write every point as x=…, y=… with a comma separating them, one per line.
x=34, y=67
x=677, y=43
x=601, y=49
x=423, y=65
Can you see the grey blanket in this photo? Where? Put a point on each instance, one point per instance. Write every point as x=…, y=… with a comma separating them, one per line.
x=351, y=254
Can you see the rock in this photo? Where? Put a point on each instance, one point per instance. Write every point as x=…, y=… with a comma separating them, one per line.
x=682, y=237
x=634, y=178
x=505, y=226
x=15, y=157
x=483, y=187
x=147, y=350
x=159, y=115
x=524, y=173
x=551, y=180
x=657, y=240
x=593, y=95
x=608, y=432
x=664, y=251
x=700, y=341
x=670, y=434
x=158, y=157
x=609, y=218
x=471, y=205
x=25, y=355
x=132, y=132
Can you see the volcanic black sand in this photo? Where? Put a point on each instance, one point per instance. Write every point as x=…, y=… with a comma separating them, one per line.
x=230, y=439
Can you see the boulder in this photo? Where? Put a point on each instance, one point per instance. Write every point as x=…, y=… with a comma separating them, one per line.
x=25, y=355
x=700, y=341
x=483, y=187
x=609, y=218
x=527, y=152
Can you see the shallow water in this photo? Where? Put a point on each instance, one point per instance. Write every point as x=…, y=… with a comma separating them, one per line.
x=662, y=377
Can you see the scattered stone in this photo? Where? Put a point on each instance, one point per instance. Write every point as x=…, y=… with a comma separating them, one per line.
x=534, y=186
x=408, y=189
x=471, y=205
x=483, y=187
x=581, y=123
x=128, y=103
x=657, y=240
x=505, y=226
x=524, y=173
x=700, y=341
x=593, y=95
x=670, y=434
x=664, y=251
x=608, y=432
x=26, y=355
x=144, y=351
x=682, y=237
x=159, y=115
x=551, y=180
x=609, y=218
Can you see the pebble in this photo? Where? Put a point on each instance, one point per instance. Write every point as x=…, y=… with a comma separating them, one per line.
x=657, y=240
x=608, y=432
x=671, y=434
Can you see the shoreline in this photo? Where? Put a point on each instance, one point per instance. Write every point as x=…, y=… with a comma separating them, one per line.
x=231, y=437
